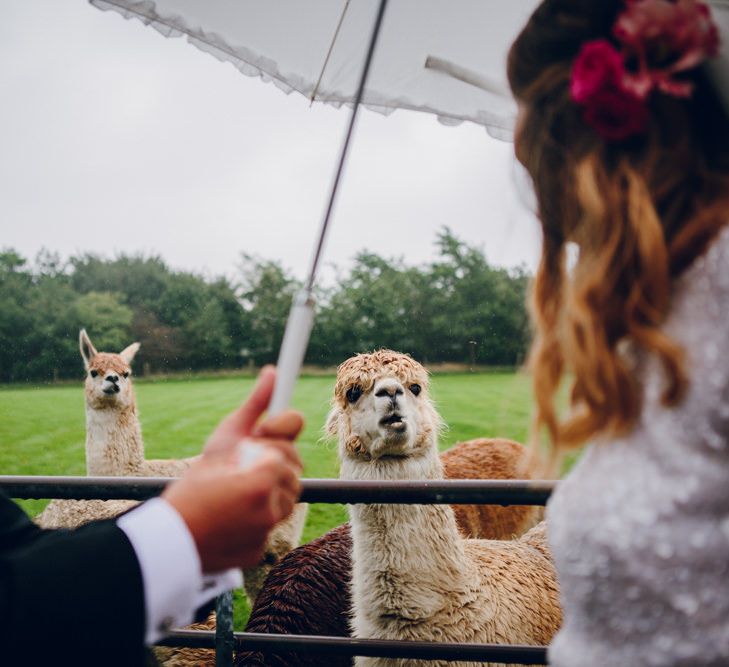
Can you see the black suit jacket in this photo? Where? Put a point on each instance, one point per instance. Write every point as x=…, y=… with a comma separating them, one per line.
x=68, y=597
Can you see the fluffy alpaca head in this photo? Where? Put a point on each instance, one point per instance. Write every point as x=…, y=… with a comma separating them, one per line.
x=108, y=376
x=381, y=408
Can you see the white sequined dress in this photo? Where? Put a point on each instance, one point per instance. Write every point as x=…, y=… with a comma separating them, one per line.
x=640, y=527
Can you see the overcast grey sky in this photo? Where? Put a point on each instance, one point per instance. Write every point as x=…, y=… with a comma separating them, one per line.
x=116, y=139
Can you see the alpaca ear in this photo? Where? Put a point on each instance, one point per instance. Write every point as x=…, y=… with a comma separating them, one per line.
x=332, y=426
x=128, y=352
x=88, y=351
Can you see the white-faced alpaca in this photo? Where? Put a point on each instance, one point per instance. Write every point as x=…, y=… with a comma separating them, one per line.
x=114, y=444
x=114, y=447
x=413, y=575
x=307, y=593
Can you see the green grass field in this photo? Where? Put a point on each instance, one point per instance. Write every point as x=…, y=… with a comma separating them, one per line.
x=42, y=429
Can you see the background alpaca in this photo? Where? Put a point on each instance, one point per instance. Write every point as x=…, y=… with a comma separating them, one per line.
x=413, y=575
x=114, y=447
x=491, y=458
x=308, y=592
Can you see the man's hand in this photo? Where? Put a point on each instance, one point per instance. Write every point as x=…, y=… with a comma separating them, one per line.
x=228, y=510
x=278, y=432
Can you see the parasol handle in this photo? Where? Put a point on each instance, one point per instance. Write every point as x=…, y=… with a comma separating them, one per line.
x=293, y=350
x=301, y=316
x=290, y=360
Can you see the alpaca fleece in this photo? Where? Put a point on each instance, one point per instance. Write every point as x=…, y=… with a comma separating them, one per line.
x=115, y=448
x=308, y=592
x=114, y=444
x=414, y=576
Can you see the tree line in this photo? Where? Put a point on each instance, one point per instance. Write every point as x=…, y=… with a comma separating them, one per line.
x=457, y=308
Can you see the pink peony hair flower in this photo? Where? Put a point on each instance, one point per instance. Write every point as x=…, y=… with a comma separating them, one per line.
x=598, y=84
x=658, y=39
x=598, y=66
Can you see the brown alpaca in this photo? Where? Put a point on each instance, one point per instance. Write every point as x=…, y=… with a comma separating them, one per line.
x=486, y=458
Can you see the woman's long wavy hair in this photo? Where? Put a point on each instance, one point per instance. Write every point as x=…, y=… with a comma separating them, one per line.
x=639, y=212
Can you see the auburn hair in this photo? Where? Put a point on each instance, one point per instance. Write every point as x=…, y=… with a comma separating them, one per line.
x=638, y=211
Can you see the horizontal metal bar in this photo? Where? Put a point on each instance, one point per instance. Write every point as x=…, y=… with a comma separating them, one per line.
x=448, y=491
x=468, y=491
x=274, y=643
x=83, y=488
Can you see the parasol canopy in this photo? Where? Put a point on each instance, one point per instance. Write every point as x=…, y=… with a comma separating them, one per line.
x=439, y=56
x=445, y=57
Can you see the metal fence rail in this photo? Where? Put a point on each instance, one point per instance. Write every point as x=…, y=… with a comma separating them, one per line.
x=493, y=492
x=274, y=643
x=444, y=492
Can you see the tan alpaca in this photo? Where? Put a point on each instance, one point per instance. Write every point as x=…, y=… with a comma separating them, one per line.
x=114, y=447
x=413, y=576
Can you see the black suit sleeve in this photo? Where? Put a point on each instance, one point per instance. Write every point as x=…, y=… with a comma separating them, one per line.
x=16, y=529
x=68, y=597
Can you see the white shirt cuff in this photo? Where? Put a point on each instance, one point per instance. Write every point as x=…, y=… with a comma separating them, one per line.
x=174, y=586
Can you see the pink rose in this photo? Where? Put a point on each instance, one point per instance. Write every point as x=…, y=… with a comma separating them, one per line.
x=598, y=66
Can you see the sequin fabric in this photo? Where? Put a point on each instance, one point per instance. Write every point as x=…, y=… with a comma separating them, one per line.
x=640, y=527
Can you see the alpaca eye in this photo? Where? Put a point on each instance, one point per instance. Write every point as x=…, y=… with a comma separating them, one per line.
x=126, y=374
x=415, y=388
x=353, y=393
x=93, y=374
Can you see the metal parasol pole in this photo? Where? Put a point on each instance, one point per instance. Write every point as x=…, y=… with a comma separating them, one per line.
x=297, y=333
x=301, y=316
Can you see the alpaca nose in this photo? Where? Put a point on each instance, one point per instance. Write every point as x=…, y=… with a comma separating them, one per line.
x=389, y=388
x=112, y=378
